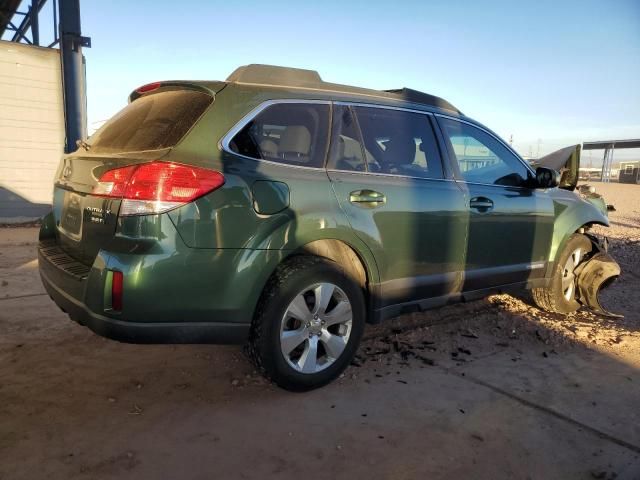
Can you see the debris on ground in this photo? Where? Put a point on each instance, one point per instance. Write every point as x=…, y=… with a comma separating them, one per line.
x=136, y=410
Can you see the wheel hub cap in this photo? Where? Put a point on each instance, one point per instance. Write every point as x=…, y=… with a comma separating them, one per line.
x=315, y=328
x=315, y=325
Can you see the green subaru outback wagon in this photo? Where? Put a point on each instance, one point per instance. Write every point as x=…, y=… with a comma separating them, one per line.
x=285, y=212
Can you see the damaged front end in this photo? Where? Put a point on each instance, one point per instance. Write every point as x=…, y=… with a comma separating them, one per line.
x=594, y=274
x=588, y=193
x=566, y=162
x=599, y=269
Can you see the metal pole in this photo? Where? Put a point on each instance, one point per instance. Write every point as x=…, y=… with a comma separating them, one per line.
x=56, y=32
x=35, y=26
x=604, y=164
x=613, y=149
x=73, y=78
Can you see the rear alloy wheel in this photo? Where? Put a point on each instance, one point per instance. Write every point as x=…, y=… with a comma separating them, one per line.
x=315, y=328
x=308, y=323
x=560, y=295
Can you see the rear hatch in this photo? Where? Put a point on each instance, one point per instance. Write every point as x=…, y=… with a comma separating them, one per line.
x=144, y=131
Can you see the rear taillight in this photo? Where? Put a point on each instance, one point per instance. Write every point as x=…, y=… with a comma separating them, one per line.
x=113, y=183
x=156, y=187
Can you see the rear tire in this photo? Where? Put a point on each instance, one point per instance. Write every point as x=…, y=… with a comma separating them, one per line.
x=560, y=295
x=308, y=324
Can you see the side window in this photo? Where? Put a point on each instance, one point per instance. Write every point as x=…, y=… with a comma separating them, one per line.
x=346, y=150
x=481, y=158
x=290, y=133
x=399, y=142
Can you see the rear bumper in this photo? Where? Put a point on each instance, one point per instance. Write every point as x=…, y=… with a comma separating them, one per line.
x=171, y=293
x=137, y=332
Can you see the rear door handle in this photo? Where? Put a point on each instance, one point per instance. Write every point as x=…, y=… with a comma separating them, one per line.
x=367, y=198
x=482, y=204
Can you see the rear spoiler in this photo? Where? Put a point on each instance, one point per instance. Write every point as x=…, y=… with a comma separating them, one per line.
x=210, y=88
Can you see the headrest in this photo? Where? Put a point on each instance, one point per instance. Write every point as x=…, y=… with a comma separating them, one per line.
x=295, y=139
x=348, y=148
x=269, y=147
x=401, y=150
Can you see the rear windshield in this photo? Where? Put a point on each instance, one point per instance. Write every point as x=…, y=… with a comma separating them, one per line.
x=151, y=122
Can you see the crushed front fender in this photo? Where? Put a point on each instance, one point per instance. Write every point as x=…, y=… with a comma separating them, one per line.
x=597, y=273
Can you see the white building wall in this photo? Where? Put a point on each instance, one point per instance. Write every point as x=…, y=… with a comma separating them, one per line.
x=31, y=129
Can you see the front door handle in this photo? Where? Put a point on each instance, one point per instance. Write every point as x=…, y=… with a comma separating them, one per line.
x=482, y=204
x=367, y=198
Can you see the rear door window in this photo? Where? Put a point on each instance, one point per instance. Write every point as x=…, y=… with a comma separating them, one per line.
x=399, y=142
x=289, y=133
x=151, y=122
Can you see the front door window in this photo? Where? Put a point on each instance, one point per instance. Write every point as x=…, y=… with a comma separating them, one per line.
x=481, y=158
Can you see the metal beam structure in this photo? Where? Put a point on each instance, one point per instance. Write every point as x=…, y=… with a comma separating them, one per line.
x=8, y=9
x=600, y=145
x=68, y=35
x=609, y=146
x=30, y=22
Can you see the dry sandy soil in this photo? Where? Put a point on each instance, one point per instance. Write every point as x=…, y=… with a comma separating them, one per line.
x=484, y=390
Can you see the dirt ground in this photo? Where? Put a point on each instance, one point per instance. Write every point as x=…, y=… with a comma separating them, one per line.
x=485, y=390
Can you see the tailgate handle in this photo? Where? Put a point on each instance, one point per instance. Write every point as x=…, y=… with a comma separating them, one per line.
x=367, y=198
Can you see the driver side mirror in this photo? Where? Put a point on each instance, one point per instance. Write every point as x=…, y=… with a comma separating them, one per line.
x=547, y=178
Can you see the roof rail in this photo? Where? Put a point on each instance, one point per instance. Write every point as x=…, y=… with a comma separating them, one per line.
x=415, y=96
x=272, y=75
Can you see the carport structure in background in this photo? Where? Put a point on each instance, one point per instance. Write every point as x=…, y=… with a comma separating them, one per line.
x=609, y=146
x=67, y=34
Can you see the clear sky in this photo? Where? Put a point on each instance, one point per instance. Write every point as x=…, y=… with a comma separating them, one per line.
x=550, y=73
